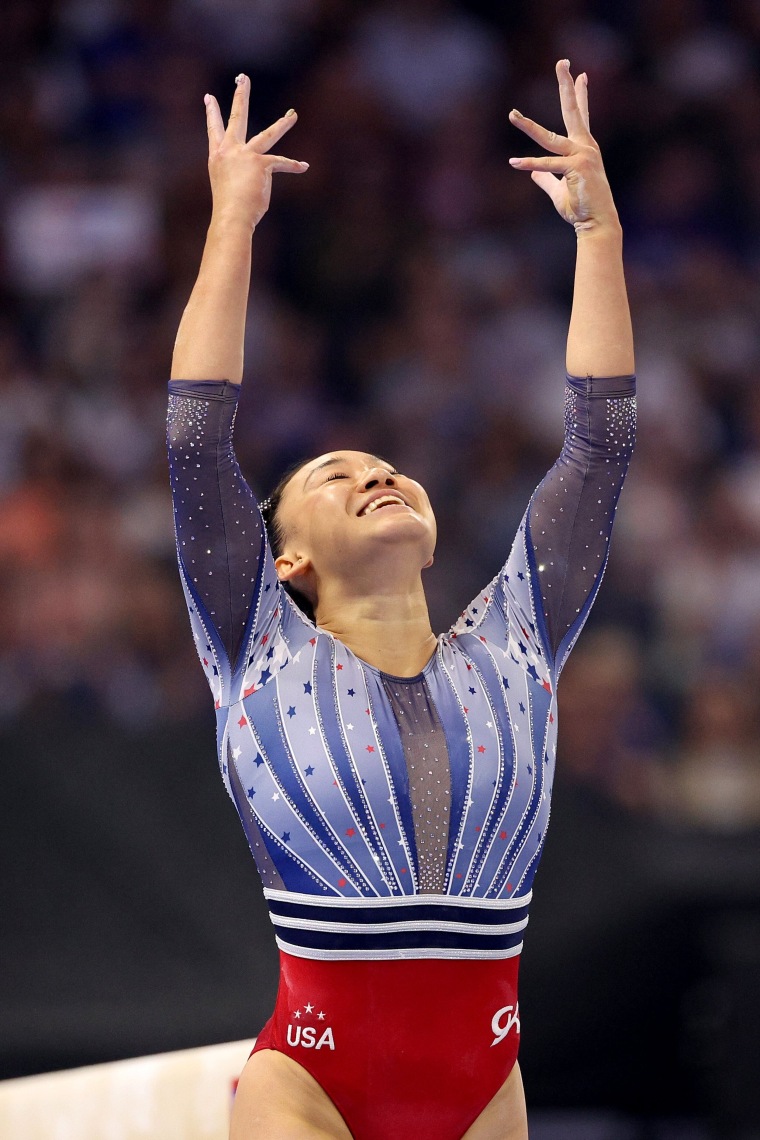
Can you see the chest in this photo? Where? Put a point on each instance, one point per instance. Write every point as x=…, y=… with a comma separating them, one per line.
x=428, y=781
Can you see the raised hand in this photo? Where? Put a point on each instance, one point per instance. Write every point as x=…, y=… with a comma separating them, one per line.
x=241, y=172
x=575, y=181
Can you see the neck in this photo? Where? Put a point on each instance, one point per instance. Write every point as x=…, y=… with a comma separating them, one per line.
x=388, y=627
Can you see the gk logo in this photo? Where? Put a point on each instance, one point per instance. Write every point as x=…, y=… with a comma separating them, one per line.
x=500, y=1027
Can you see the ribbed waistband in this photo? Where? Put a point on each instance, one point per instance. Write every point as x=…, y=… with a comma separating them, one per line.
x=415, y=926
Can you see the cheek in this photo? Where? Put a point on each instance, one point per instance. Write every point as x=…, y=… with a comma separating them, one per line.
x=426, y=508
x=323, y=526
x=420, y=493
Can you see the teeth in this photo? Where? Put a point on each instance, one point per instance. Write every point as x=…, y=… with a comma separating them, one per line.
x=383, y=499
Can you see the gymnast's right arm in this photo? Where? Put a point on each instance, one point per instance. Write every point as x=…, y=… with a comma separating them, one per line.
x=209, y=343
x=221, y=542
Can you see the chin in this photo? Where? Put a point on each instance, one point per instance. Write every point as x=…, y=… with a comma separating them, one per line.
x=410, y=531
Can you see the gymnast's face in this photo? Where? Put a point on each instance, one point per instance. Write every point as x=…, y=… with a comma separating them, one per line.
x=346, y=512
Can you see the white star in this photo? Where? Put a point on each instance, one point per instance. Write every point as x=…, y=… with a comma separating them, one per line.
x=308, y=1007
x=297, y=1013
x=312, y=730
x=321, y=1016
x=349, y=727
x=276, y=796
x=489, y=724
x=236, y=752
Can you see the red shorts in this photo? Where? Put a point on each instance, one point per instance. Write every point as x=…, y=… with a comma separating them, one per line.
x=404, y=1048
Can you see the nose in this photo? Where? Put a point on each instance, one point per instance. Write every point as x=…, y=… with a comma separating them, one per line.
x=377, y=477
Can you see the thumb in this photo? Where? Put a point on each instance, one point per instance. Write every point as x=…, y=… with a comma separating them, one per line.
x=549, y=183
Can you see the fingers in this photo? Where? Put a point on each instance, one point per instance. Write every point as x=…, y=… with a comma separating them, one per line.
x=549, y=140
x=544, y=163
x=287, y=165
x=265, y=139
x=571, y=113
x=581, y=94
x=237, y=125
x=214, y=123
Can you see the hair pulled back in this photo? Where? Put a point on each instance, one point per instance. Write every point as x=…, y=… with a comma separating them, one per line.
x=270, y=512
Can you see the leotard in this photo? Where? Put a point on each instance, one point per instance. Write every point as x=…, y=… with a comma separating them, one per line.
x=396, y=822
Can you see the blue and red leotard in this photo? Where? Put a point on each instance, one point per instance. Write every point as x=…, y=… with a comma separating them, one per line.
x=396, y=822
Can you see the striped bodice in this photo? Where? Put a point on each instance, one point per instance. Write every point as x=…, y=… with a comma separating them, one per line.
x=393, y=817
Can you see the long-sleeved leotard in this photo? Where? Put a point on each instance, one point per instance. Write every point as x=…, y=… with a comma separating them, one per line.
x=394, y=818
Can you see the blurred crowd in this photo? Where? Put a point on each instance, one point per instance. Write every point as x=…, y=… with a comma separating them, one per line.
x=410, y=296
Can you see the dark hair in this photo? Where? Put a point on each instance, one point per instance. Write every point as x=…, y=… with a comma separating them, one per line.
x=276, y=533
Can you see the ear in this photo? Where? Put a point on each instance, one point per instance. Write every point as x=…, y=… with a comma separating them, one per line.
x=293, y=568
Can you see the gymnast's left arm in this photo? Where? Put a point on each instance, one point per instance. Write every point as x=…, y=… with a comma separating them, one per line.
x=600, y=338
x=569, y=520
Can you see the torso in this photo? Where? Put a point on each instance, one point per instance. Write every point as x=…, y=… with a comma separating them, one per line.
x=371, y=786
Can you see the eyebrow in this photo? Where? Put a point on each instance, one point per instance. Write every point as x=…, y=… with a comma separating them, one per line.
x=334, y=461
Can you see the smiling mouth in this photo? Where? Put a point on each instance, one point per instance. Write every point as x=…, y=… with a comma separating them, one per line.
x=383, y=501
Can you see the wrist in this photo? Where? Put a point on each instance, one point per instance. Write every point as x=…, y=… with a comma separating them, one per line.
x=605, y=228
x=232, y=222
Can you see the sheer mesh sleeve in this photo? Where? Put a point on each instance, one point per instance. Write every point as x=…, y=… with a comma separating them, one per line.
x=569, y=520
x=221, y=540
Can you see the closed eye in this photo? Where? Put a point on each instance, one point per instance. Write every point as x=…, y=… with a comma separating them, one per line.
x=340, y=475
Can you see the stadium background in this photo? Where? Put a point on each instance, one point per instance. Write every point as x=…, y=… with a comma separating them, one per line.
x=410, y=296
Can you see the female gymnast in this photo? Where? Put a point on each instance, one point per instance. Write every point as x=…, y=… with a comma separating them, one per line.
x=394, y=786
